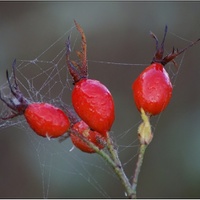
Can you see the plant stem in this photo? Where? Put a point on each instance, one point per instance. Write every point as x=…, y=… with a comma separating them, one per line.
x=112, y=159
x=118, y=168
x=145, y=136
x=138, y=168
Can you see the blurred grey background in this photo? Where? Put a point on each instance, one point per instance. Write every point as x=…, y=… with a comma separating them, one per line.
x=116, y=32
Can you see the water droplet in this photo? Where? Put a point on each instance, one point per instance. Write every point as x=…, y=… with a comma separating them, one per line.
x=48, y=137
x=72, y=148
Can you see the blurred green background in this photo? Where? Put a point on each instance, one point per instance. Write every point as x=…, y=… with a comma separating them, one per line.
x=116, y=32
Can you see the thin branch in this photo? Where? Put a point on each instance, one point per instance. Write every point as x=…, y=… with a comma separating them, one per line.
x=138, y=168
x=118, y=167
x=113, y=160
x=145, y=136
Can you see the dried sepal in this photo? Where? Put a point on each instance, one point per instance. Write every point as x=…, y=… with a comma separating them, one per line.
x=144, y=130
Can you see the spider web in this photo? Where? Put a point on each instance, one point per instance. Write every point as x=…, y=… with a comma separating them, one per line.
x=54, y=169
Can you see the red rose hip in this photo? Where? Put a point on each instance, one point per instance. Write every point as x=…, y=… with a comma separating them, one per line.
x=91, y=100
x=96, y=138
x=94, y=104
x=46, y=120
x=152, y=90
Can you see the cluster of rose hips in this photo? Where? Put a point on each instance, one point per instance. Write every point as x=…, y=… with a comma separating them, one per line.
x=93, y=113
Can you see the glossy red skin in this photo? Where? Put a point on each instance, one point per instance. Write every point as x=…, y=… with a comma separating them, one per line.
x=46, y=120
x=152, y=90
x=82, y=128
x=94, y=104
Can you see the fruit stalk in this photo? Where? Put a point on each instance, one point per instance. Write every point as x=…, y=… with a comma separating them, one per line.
x=138, y=167
x=145, y=136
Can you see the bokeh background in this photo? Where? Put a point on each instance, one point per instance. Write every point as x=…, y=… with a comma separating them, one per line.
x=116, y=32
